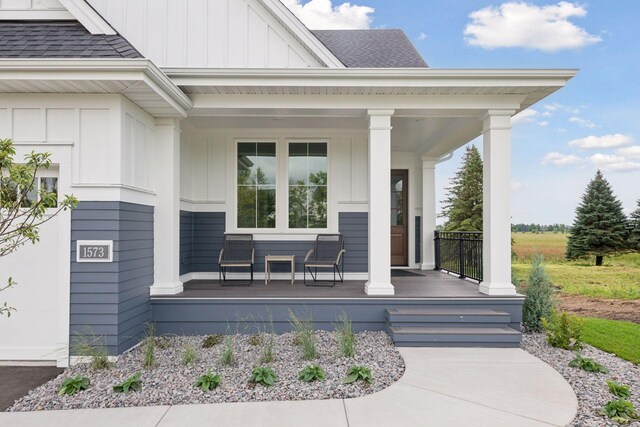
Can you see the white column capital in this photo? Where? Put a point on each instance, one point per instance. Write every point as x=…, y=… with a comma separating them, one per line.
x=497, y=120
x=429, y=162
x=387, y=113
x=168, y=122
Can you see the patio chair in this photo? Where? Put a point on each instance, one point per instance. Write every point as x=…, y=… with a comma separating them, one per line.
x=237, y=252
x=328, y=252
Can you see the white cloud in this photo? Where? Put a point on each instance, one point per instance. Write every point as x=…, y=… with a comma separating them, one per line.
x=632, y=152
x=559, y=159
x=556, y=107
x=516, y=185
x=527, y=116
x=518, y=24
x=323, y=15
x=543, y=123
x=605, y=141
x=422, y=36
x=583, y=122
x=614, y=163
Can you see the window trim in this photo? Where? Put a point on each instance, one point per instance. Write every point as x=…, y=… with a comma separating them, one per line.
x=52, y=172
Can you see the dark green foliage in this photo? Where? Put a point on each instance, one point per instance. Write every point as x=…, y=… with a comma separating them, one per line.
x=263, y=375
x=620, y=411
x=634, y=229
x=211, y=340
x=600, y=227
x=358, y=373
x=132, y=383
x=587, y=364
x=72, y=385
x=463, y=205
x=539, y=302
x=208, y=381
x=619, y=390
x=563, y=331
x=312, y=373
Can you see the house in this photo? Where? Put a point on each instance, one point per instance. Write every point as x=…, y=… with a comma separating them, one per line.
x=155, y=110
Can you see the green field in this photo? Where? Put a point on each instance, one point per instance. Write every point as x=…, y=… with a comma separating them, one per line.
x=618, y=278
x=612, y=336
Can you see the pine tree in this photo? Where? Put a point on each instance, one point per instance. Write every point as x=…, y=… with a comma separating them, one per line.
x=463, y=206
x=600, y=225
x=539, y=302
x=634, y=229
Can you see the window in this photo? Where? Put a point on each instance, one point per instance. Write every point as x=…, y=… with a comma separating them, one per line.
x=256, y=185
x=47, y=185
x=307, y=185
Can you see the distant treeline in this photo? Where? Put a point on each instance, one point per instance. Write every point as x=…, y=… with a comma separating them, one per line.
x=538, y=228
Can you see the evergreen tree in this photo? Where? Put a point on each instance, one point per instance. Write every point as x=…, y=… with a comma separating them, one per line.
x=463, y=206
x=600, y=225
x=634, y=229
x=539, y=302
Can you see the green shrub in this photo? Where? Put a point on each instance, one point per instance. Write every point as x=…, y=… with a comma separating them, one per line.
x=189, y=355
x=132, y=383
x=92, y=347
x=312, y=373
x=208, y=381
x=305, y=337
x=587, y=364
x=228, y=355
x=268, y=345
x=358, y=373
x=72, y=385
x=211, y=340
x=346, y=337
x=563, y=331
x=148, y=350
x=619, y=390
x=263, y=375
x=620, y=411
x=539, y=301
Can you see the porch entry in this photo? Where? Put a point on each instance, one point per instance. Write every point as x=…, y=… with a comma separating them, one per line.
x=399, y=218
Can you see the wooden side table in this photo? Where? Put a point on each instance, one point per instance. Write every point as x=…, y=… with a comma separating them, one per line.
x=278, y=258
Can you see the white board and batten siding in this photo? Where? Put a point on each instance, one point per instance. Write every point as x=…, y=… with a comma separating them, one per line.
x=206, y=33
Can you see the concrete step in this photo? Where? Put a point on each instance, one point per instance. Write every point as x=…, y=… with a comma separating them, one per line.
x=455, y=336
x=414, y=316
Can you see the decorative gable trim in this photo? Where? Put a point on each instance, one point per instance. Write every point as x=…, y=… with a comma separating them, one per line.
x=88, y=17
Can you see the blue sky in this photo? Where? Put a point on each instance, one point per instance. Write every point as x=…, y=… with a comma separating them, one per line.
x=598, y=111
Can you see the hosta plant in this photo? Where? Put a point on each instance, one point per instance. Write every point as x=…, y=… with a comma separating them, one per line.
x=587, y=364
x=620, y=411
x=263, y=375
x=132, y=383
x=619, y=390
x=358, y=373
x=312, y=373
x=208, y=381
x=72, y=385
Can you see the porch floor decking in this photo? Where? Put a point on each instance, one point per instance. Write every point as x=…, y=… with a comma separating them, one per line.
x=429, y=284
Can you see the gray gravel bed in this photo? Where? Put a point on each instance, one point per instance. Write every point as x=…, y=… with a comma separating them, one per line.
x=171, y=383
x=590, y=388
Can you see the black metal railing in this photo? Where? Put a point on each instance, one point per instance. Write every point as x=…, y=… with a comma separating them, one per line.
x=459, y=252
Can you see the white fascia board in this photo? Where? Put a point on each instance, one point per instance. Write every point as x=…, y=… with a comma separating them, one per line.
x=375, y=77
x=302, y=33
x=97, y=69
x=88, y=17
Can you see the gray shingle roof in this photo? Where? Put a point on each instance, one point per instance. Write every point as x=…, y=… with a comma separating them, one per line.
x=62, y=39
x=372, y=48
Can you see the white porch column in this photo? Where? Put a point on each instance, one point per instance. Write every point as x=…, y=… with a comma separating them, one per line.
x=496, y=204
x=166, y=234
x=428, y=213
x=379, y=282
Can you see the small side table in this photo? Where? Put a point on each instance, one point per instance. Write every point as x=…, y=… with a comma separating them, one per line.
x=278, y=258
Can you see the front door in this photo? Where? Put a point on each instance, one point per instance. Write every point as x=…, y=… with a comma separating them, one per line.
x=399, y=230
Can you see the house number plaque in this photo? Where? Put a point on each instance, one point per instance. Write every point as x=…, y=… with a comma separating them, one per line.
x=94, y=251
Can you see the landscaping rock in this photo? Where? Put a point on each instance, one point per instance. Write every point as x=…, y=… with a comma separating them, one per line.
x=590, y=388
x=171, y=383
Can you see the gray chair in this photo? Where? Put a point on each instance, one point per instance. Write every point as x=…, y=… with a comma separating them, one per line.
x=237, y=252
x=327, y=253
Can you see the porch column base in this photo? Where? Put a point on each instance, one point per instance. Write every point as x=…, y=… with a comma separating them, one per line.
x=166, y=288
x=371, y=288
x=497, y=289
x=428, y=266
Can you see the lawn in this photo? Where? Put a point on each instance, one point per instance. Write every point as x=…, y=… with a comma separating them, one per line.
x=618, y=278
x=613, y=336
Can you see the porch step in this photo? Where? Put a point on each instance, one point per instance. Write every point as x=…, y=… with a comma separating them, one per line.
x=412, y=336
x=450, y=316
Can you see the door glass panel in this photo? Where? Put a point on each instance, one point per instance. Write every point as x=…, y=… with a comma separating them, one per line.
x=397, y=203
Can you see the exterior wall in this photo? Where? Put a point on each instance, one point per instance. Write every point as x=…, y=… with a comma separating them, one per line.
x=111, y=300
x=31, y=5
x=206, y=33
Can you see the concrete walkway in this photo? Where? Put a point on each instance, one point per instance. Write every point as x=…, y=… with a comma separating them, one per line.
x=441, y=386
